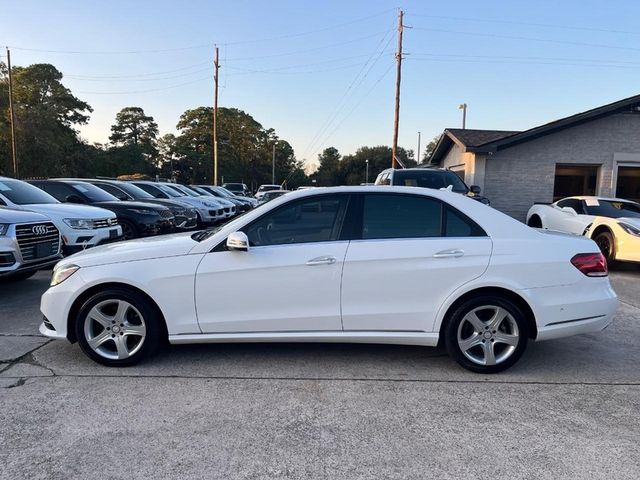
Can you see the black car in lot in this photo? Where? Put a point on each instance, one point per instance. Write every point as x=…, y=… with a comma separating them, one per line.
x=138, y=219
x=185, y=215
x=237, y=189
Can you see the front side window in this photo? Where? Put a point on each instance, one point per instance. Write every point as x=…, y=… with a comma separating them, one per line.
x=315, y=219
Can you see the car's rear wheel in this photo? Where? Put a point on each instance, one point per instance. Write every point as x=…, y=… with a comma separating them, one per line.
x=118, y=328
x=605, y=242
x=486, y=334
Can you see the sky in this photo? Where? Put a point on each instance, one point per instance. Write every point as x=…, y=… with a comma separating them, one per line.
x=322, y=73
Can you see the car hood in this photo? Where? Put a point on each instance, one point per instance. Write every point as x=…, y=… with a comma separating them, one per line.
x=128, y=204
x=20, y=216
x=67, y=210
x=139, y=249
x=634, y=222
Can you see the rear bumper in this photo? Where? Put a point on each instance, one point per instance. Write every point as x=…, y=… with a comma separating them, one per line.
x=561, y=311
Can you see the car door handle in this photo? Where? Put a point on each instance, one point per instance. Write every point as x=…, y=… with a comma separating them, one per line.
x=453, y=253
x=325, y=260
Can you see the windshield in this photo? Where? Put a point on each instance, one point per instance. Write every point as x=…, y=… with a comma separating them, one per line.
x=429, y=179
x=238, y=187
x=181, y=189
x=223, y=191
x=201, y=191
x=266, y=188
x=135, y=192
x=612, y=209
x=93, y=193
x=170, y=191
x=22, y=193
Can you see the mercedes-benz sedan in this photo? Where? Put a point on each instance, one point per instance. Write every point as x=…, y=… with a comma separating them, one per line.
x=347, y=264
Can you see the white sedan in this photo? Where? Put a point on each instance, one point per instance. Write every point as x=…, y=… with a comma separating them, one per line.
x=394, y=265
x=613, y=223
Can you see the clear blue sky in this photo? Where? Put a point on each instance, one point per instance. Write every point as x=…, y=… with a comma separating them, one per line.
x=299, y=66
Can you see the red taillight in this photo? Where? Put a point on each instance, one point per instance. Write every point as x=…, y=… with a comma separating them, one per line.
x=591, y=264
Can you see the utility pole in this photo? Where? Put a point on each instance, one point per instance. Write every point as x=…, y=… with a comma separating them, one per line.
x=366, y=177
x=463, y=107
x=396, y=120
x=418, y=151
x=12, y=119
x=273, y=165
x=215, y=120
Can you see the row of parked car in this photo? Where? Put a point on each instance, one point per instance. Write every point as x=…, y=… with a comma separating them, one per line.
x=42, y=220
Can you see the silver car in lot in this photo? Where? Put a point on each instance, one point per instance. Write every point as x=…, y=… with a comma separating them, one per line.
x=28, y=242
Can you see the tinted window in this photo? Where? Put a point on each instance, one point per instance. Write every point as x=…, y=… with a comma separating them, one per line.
x=401, y=216
x=572, y=203
x=133, y=191
x=457, y=224
x=59, y=190
x=115, y=191
x=153, y=191
x=612, y=209
x=429, y=179
x=93, y=193
x=22, y=193
x=316, y=219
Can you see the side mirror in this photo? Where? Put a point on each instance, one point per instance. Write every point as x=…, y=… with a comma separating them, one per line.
x=475, y=189
x=570, y=211
x=74, y=199
x=238, y=241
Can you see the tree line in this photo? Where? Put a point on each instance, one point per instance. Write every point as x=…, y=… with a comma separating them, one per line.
x=47, y=116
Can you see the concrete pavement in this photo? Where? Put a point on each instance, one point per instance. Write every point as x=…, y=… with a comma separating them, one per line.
x=567, y=409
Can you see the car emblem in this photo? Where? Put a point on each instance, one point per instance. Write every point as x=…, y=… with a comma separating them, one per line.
x=39, y=230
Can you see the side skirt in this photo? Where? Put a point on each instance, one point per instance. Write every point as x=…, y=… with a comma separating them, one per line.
x=399, y=338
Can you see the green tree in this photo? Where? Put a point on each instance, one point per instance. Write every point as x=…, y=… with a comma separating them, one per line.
x=46, y=113
x=431, y=146
x=328, y=171
x=134, y=139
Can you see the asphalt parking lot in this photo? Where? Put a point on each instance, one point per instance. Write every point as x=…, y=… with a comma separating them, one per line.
x=568, y=409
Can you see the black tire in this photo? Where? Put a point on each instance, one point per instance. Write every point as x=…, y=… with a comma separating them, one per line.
x=129, y=230
x=453, y=326
x=535, y=222
x=607, y=245
x=18, y=277
x=151, y=320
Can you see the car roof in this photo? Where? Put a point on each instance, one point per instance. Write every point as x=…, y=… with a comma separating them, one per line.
x=593, y=197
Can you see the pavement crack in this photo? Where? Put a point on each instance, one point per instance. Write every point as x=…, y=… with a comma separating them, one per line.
x=29, y=359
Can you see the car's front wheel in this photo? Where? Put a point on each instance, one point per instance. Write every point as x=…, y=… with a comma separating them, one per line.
x=486, y=334
x=605, y=241
x=118, y=327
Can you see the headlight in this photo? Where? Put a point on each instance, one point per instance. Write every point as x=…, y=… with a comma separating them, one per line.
x=4, y=227
x=143, y=211
x=79, y=223
x=630, y=229
x=62, y=273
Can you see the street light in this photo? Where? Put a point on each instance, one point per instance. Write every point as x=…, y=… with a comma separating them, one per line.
x=367, y=174
x=463, y=107
x=273, y=165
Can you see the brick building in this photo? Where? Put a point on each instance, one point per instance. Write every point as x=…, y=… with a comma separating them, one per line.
x=596, y=152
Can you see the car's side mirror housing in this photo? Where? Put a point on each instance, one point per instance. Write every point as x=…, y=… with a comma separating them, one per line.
x=238, y=241
x=570, y=211
x=475, y=189
x=74, y=199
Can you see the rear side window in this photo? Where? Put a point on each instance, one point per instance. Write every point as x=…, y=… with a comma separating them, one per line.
x=401, y=216
x=412, y=216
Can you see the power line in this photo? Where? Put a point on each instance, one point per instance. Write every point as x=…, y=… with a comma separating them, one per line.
x=133, y=75
x=146, y=91
x=528, y=24
x=133, y=79
x=534, y=39
x=359, y=78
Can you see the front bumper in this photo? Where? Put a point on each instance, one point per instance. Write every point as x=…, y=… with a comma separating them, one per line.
x=76, y=240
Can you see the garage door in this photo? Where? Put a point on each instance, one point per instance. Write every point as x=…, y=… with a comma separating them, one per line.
x=628, y=185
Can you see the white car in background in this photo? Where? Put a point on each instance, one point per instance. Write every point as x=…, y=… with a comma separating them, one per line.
x=81, y=226
x=398, y=265
x=228, y=208
x=209, y=211
x=266, y=188
x=613, y=223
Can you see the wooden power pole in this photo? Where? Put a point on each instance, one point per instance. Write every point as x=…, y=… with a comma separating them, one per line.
x=215, y=120
x=12, y=119
x=396, y=117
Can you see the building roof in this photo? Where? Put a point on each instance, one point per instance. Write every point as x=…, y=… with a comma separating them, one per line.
x=490, y=141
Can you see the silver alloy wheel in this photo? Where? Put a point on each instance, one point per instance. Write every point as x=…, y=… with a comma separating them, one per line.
x=114, y=329
x=488, y=335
